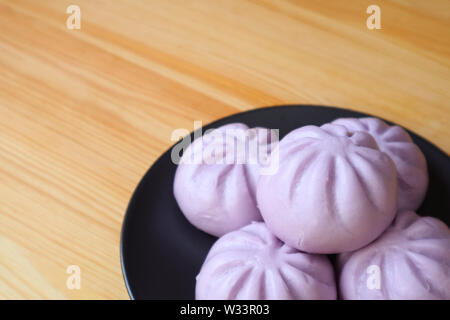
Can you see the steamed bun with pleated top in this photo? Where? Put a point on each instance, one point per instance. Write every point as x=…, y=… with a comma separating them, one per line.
x=252, y=264
x=409, y=160
x=411, y=260
x=334, y=190
x=216, y=178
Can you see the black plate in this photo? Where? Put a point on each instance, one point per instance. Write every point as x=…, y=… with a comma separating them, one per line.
x=162, y=252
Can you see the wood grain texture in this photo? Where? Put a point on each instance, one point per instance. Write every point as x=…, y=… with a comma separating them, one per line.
x=84, y=113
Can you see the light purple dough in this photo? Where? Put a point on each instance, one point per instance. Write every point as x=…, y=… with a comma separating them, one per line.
x=411, y=260
x=334, y=190
x=251, y=263
x=220, y=197
x=409, y=160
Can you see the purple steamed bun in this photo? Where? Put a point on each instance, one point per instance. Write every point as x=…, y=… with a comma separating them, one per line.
x=258, y=158
x=410, y=162
x=215, y=194
x=334, y=190
x=411, y=260
x=251, y=263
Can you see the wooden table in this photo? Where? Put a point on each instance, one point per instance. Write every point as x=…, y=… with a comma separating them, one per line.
x=84, y=113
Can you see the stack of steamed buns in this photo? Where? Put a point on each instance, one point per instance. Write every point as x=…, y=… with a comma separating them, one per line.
x=349, y=187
